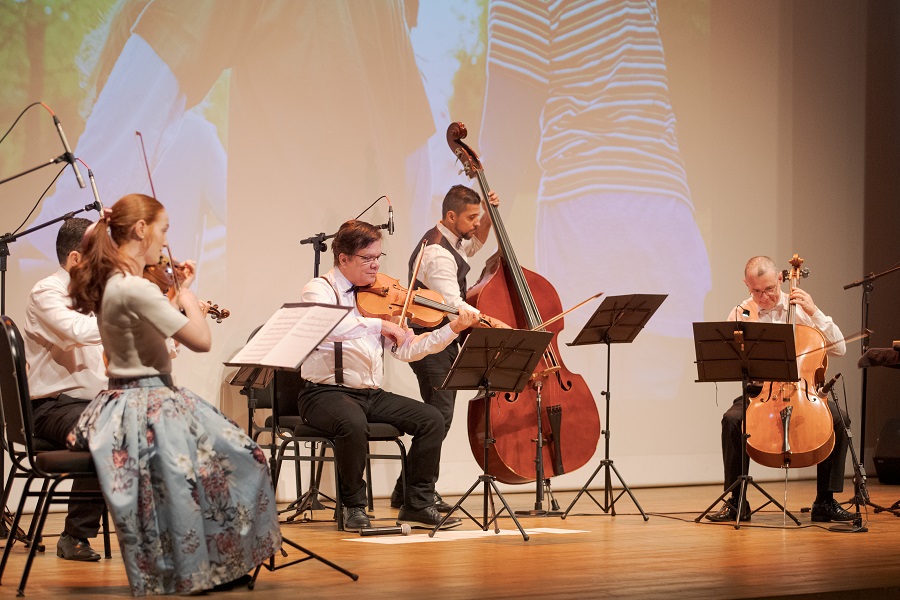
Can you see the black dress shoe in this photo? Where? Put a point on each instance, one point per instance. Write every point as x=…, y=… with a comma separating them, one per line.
x=830, y=510
x=396, y=498
x=73, y=548
x=440, y=505
x=729, y=513
x=425, y=518
x=355, y=518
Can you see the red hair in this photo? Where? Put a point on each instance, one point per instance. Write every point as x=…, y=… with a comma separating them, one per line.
x=100, y=257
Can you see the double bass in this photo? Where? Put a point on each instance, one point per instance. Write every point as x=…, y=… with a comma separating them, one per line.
x=525, y=300
x=788, y=424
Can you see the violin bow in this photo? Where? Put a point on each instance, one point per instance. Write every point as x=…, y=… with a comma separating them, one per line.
x=412, y=283
x=153, y=191
x=847, y=340
x=565, y=312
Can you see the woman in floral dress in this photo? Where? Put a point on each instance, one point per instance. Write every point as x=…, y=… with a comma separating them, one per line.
x=189, y=492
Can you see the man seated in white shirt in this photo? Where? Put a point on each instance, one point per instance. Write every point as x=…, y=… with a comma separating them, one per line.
x=344, y=376
x=66, y=370
x=769, y=304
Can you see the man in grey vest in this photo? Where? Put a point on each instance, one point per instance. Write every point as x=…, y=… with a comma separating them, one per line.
x=459, y=234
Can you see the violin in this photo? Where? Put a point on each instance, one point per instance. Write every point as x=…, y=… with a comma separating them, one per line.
x=788, y=424
x=385, y=299
x=165, y=276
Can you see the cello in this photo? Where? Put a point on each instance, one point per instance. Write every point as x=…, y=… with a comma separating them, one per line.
x=523, y=299
x=788, y=424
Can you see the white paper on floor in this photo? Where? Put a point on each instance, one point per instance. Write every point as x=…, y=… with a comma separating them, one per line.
x=453, y=535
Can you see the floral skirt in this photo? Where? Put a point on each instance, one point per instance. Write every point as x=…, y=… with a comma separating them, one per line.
x=189, y=493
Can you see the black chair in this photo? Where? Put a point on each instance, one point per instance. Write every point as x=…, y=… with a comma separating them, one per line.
x=51, y=467
x=291, y=431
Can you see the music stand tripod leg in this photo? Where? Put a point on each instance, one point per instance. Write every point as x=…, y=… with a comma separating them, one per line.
x=488, y=480
x=609, y=500
x=744, y=480
x=270, y=565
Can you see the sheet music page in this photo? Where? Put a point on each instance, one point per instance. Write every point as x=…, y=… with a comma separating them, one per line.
x=289, y=335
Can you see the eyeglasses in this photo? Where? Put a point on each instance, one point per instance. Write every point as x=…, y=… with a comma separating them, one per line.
x=369, y=259
x=768, y=291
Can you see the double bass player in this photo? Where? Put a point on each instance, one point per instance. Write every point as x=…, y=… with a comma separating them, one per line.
x=461, y=232
x=769, y=304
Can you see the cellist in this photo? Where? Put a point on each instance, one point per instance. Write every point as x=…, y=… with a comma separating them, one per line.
x=769, y=304
x=344, y=377
x=461, y=232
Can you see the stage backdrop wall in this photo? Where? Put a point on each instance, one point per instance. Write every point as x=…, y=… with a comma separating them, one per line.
x=702, y=134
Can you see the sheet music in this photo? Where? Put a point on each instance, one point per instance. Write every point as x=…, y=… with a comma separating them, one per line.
x=290, y=335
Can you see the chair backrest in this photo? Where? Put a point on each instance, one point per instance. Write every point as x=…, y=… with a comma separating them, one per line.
x=287, y=385
x=14, y=394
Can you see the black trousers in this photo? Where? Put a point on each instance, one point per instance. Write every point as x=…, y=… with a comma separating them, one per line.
x=431, y=372
x=346, y=412
x=829, y=472
x=53, y=420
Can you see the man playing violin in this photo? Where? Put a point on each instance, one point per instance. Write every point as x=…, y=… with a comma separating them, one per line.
x=768, y=304
x=344, y=377
x=458, y=235
x=66, y=371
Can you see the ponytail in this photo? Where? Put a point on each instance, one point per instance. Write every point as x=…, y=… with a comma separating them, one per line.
x=100, y=257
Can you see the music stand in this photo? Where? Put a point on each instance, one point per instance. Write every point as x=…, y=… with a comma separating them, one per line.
x=744, y=351
x=493, y=360
x=284, y=342
x=618, y=320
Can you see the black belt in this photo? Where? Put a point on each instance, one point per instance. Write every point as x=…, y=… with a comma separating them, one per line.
x=38, y=402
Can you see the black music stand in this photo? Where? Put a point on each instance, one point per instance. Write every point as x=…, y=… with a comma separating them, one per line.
x=744, y=351
x=618, y=320
x=258, y=373
x=493, y=360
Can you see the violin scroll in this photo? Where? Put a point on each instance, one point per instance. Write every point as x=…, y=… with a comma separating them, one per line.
x=216, y=313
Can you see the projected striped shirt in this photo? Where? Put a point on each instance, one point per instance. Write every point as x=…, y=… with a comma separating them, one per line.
x=607, y=123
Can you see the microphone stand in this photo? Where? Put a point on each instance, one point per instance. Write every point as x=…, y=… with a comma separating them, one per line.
x=319, y=246
x=12, y=237
x=5, y=240
x=61, y=158
x=868, y=283
x=860, y=491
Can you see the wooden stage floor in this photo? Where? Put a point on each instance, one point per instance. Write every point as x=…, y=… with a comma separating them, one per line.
x=587, y=555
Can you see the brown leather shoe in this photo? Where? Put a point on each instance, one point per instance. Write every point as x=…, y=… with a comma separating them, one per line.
x=729, y=513
x=73, y=548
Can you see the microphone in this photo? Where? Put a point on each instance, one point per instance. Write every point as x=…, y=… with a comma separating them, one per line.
x=398, y=530
x=390, y=226
x=70, y=158
x=97, y=205
x=825, y=389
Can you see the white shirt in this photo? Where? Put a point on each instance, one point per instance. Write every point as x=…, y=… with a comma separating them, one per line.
x=135, y=320
x=62, y=346
x=438, y=269
x=362, y=343
x=779, y=314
